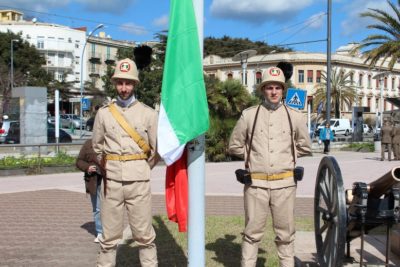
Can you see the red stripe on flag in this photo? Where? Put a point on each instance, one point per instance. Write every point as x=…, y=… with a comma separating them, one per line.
x=176, y=192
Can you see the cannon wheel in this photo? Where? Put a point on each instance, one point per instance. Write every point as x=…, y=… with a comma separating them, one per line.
x=330, y=214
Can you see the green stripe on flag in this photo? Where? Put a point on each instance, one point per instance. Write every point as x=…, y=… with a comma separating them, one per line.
x=183, y=90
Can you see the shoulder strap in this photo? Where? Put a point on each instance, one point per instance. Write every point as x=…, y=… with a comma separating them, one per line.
x=135, y=136
x=291, y=134
x=246, y=164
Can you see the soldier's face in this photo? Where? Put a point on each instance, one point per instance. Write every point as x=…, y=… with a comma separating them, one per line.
x=125, y=88
x=273, y=92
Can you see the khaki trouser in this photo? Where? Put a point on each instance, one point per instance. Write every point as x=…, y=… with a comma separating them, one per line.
x=396, y=151
x=281, y=202
x=136, y=197
x=383, y=147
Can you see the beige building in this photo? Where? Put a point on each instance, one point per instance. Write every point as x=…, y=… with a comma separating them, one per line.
x=307, y=69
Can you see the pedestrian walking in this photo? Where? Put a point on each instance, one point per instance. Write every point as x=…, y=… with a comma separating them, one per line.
x=88, y=163
x=386, y=140
x=326, y=135
x=270, y=137
x=124, y=137
x=396, y=141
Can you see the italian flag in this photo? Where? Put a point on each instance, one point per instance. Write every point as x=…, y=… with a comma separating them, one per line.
x=183, y=110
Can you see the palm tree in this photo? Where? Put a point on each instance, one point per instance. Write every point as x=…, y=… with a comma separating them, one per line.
x=343, y=90
x=385, y=45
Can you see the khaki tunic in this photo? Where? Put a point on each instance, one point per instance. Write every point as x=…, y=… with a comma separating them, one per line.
x=396, y=142
x=271, y=151
x=110, y=138
x=386, y=134
x=128, y=186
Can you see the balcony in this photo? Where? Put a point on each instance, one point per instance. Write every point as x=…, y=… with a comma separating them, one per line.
x=110, y=59
x=94, y=72
x=94, y=57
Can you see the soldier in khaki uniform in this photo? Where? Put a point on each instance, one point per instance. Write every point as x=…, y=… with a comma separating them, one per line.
x=271, y=165
x=396, y=141
x=127, y=185
x=386, y=140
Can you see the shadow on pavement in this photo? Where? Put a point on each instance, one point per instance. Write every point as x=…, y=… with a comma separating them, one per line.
x=228, y=253
x=169, y=253
x=89, y=227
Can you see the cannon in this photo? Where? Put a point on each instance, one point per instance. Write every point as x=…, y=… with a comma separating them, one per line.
x=342, y=215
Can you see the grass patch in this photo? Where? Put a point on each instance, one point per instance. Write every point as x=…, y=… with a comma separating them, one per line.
x=360, y=147
x=32, y=163
x=223, y=243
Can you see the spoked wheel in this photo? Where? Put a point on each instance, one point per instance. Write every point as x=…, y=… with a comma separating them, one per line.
x=330, y=214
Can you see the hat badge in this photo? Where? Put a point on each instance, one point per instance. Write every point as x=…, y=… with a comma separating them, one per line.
x=125, y=67
x=275, y=72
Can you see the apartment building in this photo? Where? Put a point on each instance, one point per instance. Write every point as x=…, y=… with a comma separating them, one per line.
x=307, y=70
x=60, y=45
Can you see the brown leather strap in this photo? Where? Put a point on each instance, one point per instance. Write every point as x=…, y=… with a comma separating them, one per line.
x=124, y=124
x=291, y=135
x=246, y=164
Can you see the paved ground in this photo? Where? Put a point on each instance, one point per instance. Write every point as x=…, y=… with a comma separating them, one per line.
x=46, y=219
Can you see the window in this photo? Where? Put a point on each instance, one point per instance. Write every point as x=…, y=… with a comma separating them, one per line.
x=93, y=67
x=377, y=83
x=360, y=79
x=369, y=81
x=258, y=77
x=76, y=45
x=318, y=76
x=369, y=102
x=351, y=78
x=61, y=60
x=40, y=43
x=230, y=76
x=393, y=83
x=245, y=78
x=301, y=76
x=376, y=103
x=212, y=75
x=108, y=52
x=60, y=76
x=385, y=83
x=310, y=76
x=360, y=101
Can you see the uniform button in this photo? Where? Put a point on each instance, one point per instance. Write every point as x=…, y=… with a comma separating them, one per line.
x=272, y=165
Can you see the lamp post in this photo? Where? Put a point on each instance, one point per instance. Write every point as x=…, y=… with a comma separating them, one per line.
x=12, y=63
x=380, y=76
x=82, y=83
x=243, y=57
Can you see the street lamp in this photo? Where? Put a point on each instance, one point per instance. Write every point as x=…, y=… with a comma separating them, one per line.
x=380, y=77
x=82, y=83
x=243, y=57
x=12, y=63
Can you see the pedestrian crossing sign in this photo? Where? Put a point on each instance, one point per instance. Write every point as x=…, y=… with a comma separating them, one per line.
x=296, y=98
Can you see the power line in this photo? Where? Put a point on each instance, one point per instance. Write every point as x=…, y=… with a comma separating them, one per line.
x=140, y=28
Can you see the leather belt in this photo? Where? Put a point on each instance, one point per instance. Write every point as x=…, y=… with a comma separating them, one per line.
x=271, y=177
x=126, y=157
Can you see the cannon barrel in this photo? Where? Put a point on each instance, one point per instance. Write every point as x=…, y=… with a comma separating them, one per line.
x=380, y=186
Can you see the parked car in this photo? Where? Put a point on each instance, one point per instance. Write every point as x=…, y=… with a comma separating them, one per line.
x=13, y=136
x=338, y=126
x=4, y=129
x=89, y=124
x=366, y=129
x=67, y=120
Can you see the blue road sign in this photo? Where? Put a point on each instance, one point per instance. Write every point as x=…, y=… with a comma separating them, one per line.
x=296, y=98
x=85, y=104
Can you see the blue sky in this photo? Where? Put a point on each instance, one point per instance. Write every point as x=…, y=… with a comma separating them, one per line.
x=276, y=22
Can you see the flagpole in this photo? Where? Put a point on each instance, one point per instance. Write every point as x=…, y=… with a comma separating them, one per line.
x=196, y=174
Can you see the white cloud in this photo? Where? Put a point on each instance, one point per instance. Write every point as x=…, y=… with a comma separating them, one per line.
x=161, y=21
x=316, y=21
x=106, y=6
x=132, y=28
x=354, y=23
x=256, y=11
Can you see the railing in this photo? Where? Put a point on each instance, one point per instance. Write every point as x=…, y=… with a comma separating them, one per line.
x=8, y=150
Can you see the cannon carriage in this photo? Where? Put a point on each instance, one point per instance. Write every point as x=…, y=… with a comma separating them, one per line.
x=342, y=215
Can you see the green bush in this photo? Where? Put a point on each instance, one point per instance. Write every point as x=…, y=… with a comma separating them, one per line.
x=365, y=147
x=61, y=159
